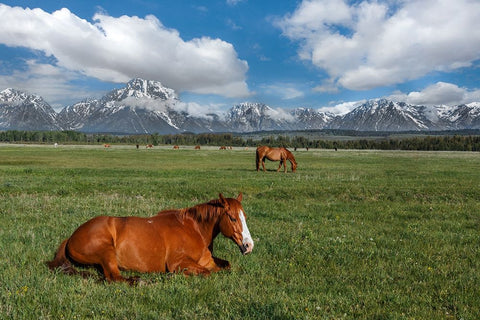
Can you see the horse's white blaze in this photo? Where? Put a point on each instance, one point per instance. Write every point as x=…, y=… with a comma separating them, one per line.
x=247, y=238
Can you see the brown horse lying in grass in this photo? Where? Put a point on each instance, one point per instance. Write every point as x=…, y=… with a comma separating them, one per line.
x=275, y=154
x=172, y=241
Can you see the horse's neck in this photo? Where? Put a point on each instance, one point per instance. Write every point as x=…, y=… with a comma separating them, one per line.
x=289, y=156
x=206, y=222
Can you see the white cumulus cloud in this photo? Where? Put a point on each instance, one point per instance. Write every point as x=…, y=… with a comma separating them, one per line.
x=342, y=108
x=440, y=93
x=118, y=49
x=50, y=82
x=366, y=44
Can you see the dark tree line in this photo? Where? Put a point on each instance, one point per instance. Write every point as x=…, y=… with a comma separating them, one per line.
x=433, y=143
x=19, y=136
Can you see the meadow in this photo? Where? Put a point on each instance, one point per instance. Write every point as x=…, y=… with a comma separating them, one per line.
x=350, y=235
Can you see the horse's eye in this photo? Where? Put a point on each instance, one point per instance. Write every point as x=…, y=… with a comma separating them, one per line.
x=232, y=219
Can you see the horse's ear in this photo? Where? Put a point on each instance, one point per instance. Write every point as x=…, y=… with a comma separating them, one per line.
x=223, y=201
x=240, y=196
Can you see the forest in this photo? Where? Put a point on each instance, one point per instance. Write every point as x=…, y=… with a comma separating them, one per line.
x=446, y=141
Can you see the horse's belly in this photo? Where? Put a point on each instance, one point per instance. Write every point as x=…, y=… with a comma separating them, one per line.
x=142, y=259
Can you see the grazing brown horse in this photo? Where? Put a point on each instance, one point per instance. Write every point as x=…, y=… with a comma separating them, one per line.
x=172, y=241
x=275, y=154
x=197, y=147
x=149, y=146
x=175, y=147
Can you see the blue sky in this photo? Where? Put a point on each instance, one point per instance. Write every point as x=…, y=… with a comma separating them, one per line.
x=324, y=54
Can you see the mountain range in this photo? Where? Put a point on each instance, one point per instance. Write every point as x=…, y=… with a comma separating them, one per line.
x=145, y=106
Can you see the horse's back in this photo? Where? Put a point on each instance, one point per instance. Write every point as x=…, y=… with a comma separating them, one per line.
x=262, y=152
x=95, y=227
x=262, y=149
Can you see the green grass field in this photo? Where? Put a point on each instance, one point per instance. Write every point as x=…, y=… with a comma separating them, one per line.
x=350, y=235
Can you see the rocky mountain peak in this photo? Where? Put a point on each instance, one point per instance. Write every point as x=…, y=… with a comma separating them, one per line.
x=142, y=89
x=13, y=96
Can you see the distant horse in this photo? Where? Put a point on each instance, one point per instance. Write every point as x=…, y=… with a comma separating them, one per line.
x=149, y=146
x=223, y=148
x=275, y=154
x=106, y=145
x=171, y=241
x=197, y=147
x=175, y=147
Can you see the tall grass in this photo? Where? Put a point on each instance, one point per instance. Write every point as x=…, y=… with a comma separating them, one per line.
x=356, y=235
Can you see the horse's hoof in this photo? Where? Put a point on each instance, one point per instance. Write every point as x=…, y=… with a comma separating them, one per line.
x=134, y=281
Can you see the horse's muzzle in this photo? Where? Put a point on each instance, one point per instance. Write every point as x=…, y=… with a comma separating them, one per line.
x=246, y=248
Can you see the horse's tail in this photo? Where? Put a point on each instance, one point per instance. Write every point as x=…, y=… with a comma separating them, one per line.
x=61, y=260
x=257, y=160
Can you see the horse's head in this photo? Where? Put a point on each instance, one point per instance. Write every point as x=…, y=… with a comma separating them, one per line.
x=292, y=160
x=233, y=224
x=294, y=165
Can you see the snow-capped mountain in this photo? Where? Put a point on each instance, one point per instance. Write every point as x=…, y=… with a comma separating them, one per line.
x=144, y=106
x=383, y=115
x=75, y=116
x=141, y=89
x=22, y=111
x=248, y=117
x=465, y=116
x=308, y=118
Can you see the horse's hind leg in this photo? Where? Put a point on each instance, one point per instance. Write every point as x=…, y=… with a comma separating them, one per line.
x=104, y=258
x=110, y=267
x=111, y=270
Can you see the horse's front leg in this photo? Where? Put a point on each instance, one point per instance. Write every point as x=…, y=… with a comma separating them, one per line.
x=222, y=264
x=188, y=266
x=203, y=266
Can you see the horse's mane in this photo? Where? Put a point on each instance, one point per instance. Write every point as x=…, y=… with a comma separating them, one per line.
x=289, y=155
x=204, y=211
